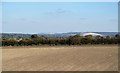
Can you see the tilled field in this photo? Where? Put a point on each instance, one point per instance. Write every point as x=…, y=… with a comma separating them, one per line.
x=60, y=58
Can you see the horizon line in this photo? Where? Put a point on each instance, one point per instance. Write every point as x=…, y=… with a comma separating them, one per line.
x=55, y=32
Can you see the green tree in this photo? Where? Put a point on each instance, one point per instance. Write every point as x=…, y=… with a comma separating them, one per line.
x=34, y=36
x=74, y=40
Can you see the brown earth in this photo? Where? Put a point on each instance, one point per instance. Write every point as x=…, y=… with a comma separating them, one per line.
x=60, y=58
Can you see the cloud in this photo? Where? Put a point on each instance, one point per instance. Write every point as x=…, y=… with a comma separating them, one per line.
x=113, y=20
x=83, y=18
x=57, y=11
x=60, y=11
x=22, y=19
x=26, y=20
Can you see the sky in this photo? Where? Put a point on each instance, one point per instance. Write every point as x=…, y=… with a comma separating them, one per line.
x=59, y=17
x=60, y=0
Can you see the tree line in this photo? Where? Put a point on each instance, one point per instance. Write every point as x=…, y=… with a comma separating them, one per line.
x=71, y=40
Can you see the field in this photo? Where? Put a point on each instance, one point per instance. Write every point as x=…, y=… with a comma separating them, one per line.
x=60, y=58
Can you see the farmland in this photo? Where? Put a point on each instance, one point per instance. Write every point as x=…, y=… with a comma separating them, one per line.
x=60, y=58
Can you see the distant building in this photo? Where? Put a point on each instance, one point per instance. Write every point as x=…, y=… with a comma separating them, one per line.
x=92, y=34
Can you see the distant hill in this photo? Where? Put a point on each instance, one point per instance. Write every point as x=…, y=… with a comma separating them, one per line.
x=16, y=35
x=78, y=33
x=108, y=33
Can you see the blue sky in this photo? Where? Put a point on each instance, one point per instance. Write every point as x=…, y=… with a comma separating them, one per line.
x=53, y=17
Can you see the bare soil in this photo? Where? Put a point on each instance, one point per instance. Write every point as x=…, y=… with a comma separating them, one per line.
x=60, y=58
